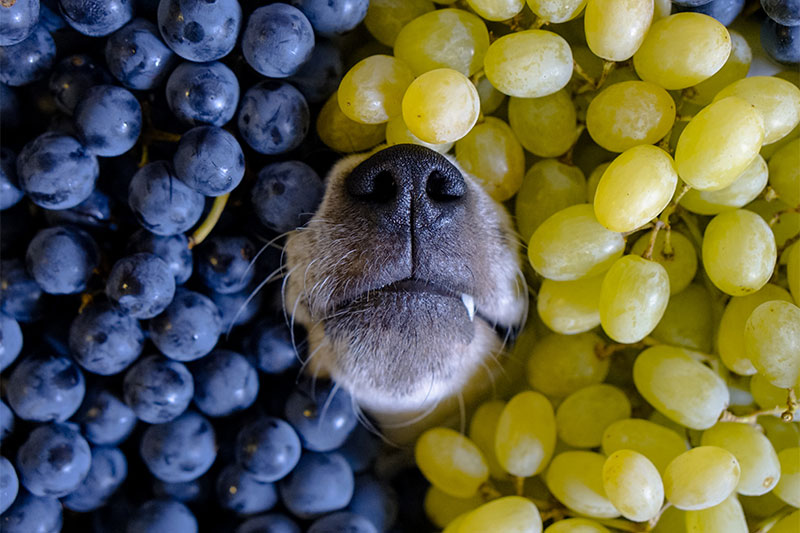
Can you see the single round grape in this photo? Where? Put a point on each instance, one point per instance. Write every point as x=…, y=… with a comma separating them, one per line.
x=633, y=485
x=96, y=18
x=679, y=260
x=768, y=396
x=482, y=429
x=385, y=18
x=398, y=133
x=496, y=10
x=659, y=444
x=181, y=450
x=162, y=515
x=273, y=118
x=442, y=509
x=784, y=173
x=198, y=30
x=688, y=320
x=343, y=134
x=575, y=478
x=209, y=160
x=53, y=460
x=701, y=478
x=32, y=513
x=780, y=42
x=584, y=415
x=19, y=20
x=203, y=93
x=163, y=204
x=735, y=68
x=557, y=11
x=107, y=472
x=331, y=18
x=727, y=516
x=509, y=513
x=137, y=57
x=61, y=259
x=451, y=462
x=788, y=487
x=772, y=342
x=372, y=91
x=105, y=340
x=570, y=307
x=615, y=29
x=45, y=388
x=491, y=98
x=277, y=40
x=29, y=60
x=562, y=364
x=545, y=126
x=746, y=188
x=526, y=434
x=140, y=285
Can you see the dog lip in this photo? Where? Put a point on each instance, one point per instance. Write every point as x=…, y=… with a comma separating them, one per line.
x=407, y=286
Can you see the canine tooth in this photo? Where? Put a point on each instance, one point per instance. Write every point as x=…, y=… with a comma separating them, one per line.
x=469, y=303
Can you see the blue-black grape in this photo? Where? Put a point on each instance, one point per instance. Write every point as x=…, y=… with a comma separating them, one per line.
x=9, y=484
x=108, y=470
x=342, y=521
x=203, y=93
x=782, y=43
x=61, y=259
x=237, y=308
x=162, y=203
x=319, y=484
x=180, y=450
x=29, y=60
x=784, y=12
x=20, y=295
x=319, y=76
x=267, y=449
x=277, y=40
x=188, y=328
x=104, y=419
x=105, y=340
x=141, y=285
x=225, y=263
x=96, y=18
x=269, y=523
x=6, y=421
x=157, y=389
x=200, y=30
x=244, y=494
x=224, y=382
x=274, y=117
x=270, y=344
x=108, y=120
x=332, y=17
x=31, y=513
x=725, y=11
x=374, y=501
x=18, y=20
x=56, y=171
x=172, y=249
x=11, y=337
x=43, y=388
x=137, y=57
x=286, y=195
x=54, y=460
x=10, y=193
x=162, y=516
x=209, y=160
x=72, y=77
x=323, y=416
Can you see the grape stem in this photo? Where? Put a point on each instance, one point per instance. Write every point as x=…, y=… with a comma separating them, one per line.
x=211, y=220
x=777, y=216
x=604, y=350
x=519, y=485
x=769, y=194
x=591, y=83
x=488, y=491
x=657, y=225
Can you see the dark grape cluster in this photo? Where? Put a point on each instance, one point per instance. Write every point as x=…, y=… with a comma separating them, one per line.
x=780, y=31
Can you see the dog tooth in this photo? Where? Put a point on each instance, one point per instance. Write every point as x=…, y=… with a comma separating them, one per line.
x=469, y=303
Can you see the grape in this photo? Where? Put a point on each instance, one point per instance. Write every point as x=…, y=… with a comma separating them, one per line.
x=225, y=263
x=32, y=513
x=342, y=521
x=140, y=285
x=681, y=388
x=746, y=188
x=224, y=382
x=21, y=295
x=615, y=29
x=10, y=194
x=331, y=17
x=163, y=204
x=570, y=307
x=526, y=434
x=784, y=226
x=442, y=509
x=273, y=118
x=104, y=340
x=29, y=60
x=492, y=153
x=398, y=133
x=575, y=478
x=180, y=450
x=491, y=98
x=786, y=12
x=45, y=388
x=323, y=416
x=784, y=173
x=441, y=106
x=318, y=77
x=104, y=419
x=96, y=18
x=575, y=525
x=584, y=415
x=482, y=430
x=529, y=64
x=286, y=195
x=172, y=249
x=270, y=344
x=209, y=160
x=203, y=93
x=788, y=524
x=137, y=57
x=725, y=11
x=688, y=320
x=701, y=478
x=594, y=180
x=560, y=365
x=53, y=460
x=680, y=261
x=633, y=485
x=658, y=444
x=107, y=472
x=162, y=515
x=373, y=501
x=198, y=30
x=512, y=514
x=444, y=38
x=319, y=484
x=572, y=244
x=343, y=134
x=61, y=259
x=271, y=522
x=735, y=68
x=242, y=493
x=19, y=20
x=372, y=91
x=451, y=462
x=739, y=252
x=385, y=18
x=780, y=42
x=267, y=449
x=72, y=77
x=278, y=39
x=788, y=487
x=497, y=9
x=188, y=328
x=767, y=395
x=772, y=342
x=793, y=272
x=12, y=341
x=9, y=484
x=727, y=516
x=158, y=390
x=545, y=126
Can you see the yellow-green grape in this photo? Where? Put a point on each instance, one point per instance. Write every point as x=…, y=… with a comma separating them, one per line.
x=548, y=186
x=492, y=153
x=496, y=9
x=788, y=487
x=784, y=223
x=455, y=525
x=562, y=364
x=633, y=485
x=788, y=524
x=510, y=514
x=735, y=68
x=784, y=173
x=570, y=307
x=719, y=143
x=343, y=134
x=772, y=342
x=739, y=252
x=557, y=11
x=761, y=506
x=371, y=92
x=572, y=244
x=385, y=18
x=669, y=54
x=615, y=29
x=398, y=133
x=584, y=415
x=451, y=462
x=727, y=516
x=594, y=180
x=491, y=98
x=659, y=444
x=672, y=520
x=545, y=126
x=768, y=396
x=575, y=478
x=688, y=320
x=526, y=434
x=777, y=100
x=681, y=388
x=680, y=260
x=441, y=508
x=445, y=38
x=746, y=188
x=529, y=64
x=793, y=271
x=758, y=461
x=701, y=478
x=482, y=429
x=628, y=114
x=635, y=188
x=576, y=525
x=441, y=106
x=633, y=297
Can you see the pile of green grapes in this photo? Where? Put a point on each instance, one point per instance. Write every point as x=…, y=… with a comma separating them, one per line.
x=663, y=362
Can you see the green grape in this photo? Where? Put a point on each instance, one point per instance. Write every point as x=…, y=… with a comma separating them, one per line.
x=659, y=444
x=758, y=461
x=739, y=252
x=562, y=364
x=681, y=388
x=788, y=524
x=788, y=487
x=680, y=260
x=482, y=429
x=441, y=106
x=545, y=126
x=548, y=186
x=745, y=188
x=492, y=154
x=575, y=478
x=526, y=434
x=557, y=11
x=633, y=298
x=576, y=525
x=782, y=435
x=761, y=506
x=730, y=334
x=735, y=68
x=371, y=92
x=772, y=342
x=628, y=114
x=594, y=179
x=441, y=508
x=491, y=98
x=768, y=396
x=669, y=54
x=727, y=517
x=445, y=38
x=455, y=525
x=671, y=521
x=615, y=29
x=451, y=462
x=688, y=320
x=777, y=100
x=343, y=134
x=529, y=64
x=398, y=133
x=510, y=514
x=585, y=414
x=788, y=222
x=385, y=18
x=793, y=272
x=570, y=307
x=784, y=173
x=572, y=244
x=496, y=9
x=719, y=143
x=701, y=478
x=633, y=485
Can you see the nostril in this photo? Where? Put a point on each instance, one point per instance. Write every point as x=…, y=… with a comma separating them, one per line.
x=445, y=186
x=384, y=187
x=376, y=187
